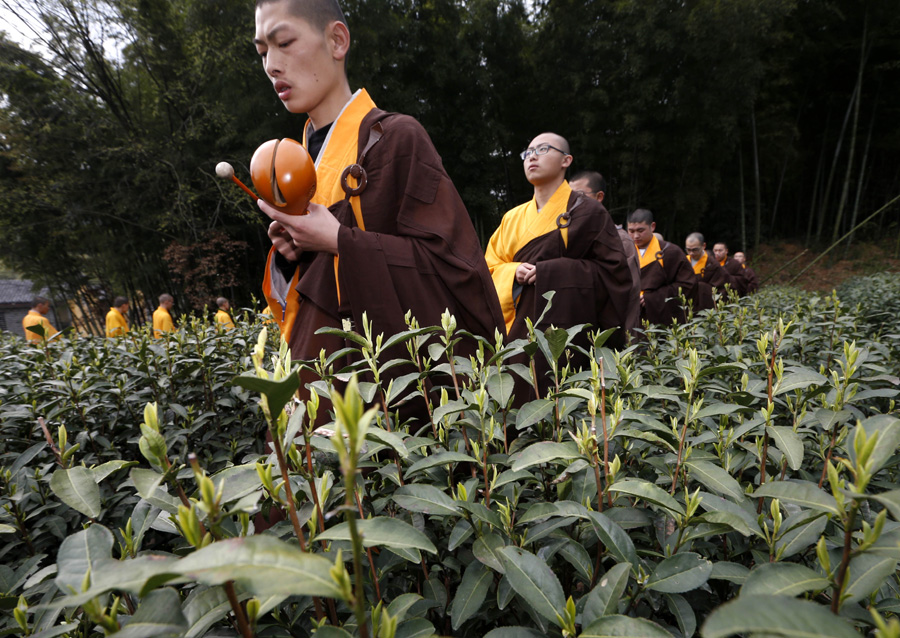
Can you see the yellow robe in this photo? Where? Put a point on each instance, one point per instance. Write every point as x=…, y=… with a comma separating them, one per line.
x=162, y=322
x=34, y=318
x=116, y=324
x=519, y=226
x=223, y=320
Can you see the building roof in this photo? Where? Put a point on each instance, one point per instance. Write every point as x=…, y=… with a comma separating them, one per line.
x=19, y=291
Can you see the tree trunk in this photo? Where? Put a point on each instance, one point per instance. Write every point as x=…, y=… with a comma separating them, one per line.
x=758, y=222
x=837, y=152
x=741, y=190
x=845, y=191
x=862, y=178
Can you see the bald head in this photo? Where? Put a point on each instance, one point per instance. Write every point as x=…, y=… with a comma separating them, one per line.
x=696, y=237
x=319, y=13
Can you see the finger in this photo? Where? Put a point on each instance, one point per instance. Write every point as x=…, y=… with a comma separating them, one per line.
x=273, y=213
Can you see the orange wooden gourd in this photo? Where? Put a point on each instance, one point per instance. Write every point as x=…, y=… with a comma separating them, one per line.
x=284, y=175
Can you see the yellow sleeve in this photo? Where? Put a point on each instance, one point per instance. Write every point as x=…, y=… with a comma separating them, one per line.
x=503, y=272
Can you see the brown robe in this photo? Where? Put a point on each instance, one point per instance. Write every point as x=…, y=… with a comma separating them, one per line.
x=752, y=279
x=589, y=277
x=633, y=317
x=712, y=278
x=419, y=252
x=660, y=283
x=738, y=278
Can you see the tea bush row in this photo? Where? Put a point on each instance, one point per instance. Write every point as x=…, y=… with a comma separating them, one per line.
x=736, y=474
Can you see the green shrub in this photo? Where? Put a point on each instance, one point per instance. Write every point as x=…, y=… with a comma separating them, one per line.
x=738, y=472
x=877, y=298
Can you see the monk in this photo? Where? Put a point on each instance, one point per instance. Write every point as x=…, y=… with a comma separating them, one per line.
x=399, y=240
x=593, y=185
x=665, y=271
x=749, y=273
x=116, y=323
x=36, y=317
x=162, y=320
x=710, y=276
x=738, y=279
x=223, y=316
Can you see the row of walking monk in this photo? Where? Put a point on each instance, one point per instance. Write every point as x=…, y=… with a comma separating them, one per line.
x=117, y=318
x=398, y=238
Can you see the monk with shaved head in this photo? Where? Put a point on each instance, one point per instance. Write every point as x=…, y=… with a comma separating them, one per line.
x=560, y=241
x=711, y=277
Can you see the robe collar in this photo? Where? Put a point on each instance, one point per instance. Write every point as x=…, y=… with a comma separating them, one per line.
x=652, y=253
x=544, y=221
x=700, y=265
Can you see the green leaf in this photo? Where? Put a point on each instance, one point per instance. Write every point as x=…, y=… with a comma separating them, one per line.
x=533, y=412
x=204, y=607
x=616, y=540
x=262, y=565
x=514, y=632
x=891, y=501
x=330, y=631
x=603, y=600
x=277, y=393
x=79, y=553
x=732, y=572
x=867, y=572
x=776, y=616
x=401, y=604
x=425, y=499
x=716, y=409
x=534, y=582
x=487, y=550
x=441, y=458
x=103, y=470
x=544, y=452
x=158, y=616
x=7, y=529
x=801, y=537
x=471, y=593
x=803, y=493
x=888, y=429
x=647, y=491
x=683, y=612
x=680, y=573
x=790, y=443
x=76, y=488
x=415, y=628
x=716, y=479
x=381, y=530
x=624, y=626
x=798, y=379
x=782, y=579
x=150, y=488
x=500, y=388
x=390, y=439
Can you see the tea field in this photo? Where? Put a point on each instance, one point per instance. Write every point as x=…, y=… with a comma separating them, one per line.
x=736, y=475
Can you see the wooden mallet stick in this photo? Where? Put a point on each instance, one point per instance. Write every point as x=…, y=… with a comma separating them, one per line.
x=226, y=171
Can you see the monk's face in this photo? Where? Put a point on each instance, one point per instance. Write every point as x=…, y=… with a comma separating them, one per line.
x=300, y=60
x=549, y=166
x=123, y=308
x=740, y=258
x=583, y=186
x=226, y=306
x=641, y=233
x=43, y=308
x=720, y=251
x=694, y=248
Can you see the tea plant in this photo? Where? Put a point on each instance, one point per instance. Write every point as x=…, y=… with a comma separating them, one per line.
x=734, y=475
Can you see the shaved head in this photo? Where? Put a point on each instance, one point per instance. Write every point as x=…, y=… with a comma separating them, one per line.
x=696, y=237
x=319, y=13
x=166, y=297
x=556, y=140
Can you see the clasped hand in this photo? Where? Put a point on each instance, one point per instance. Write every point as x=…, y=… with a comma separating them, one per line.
x=316, y=231
x=526, y=273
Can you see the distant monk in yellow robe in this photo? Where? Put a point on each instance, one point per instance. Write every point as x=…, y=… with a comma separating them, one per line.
x=560, y=241
x=116, y=323
x=35, y=317
x=223, y=316
x=749, y=273
x=162, y=320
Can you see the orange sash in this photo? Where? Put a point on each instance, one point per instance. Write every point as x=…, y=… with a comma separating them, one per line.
x=653, y=253
x=700, y=265
x=339, y=151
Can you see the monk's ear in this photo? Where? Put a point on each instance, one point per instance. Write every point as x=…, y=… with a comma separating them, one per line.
x=599, y=195
x=567, y=161
x=652, y=227
x=338, y=37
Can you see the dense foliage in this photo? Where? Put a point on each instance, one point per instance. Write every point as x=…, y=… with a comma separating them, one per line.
x=737, y=474
x=739, y=119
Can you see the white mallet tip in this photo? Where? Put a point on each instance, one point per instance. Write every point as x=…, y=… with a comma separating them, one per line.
x=224, y=170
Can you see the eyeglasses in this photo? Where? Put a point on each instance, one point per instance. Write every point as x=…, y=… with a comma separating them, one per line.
x=698, y=249
x=541, y=149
